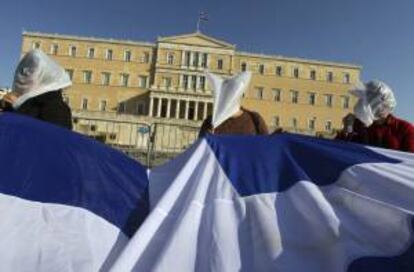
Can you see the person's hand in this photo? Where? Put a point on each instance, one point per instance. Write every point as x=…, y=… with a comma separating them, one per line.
x=348, y=122
x=10, y=98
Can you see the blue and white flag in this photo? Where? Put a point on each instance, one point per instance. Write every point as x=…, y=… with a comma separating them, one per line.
x=67, y=203
x=280, y=203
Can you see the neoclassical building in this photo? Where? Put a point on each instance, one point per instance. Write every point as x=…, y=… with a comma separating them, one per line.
x=164, y=81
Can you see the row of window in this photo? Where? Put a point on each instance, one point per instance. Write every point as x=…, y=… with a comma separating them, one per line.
x=139, y=107
x=294, y=97
x=294, y=123
x=91, y=52
x=195, y=59
x=192, y=82
x=106, y=78
x=295, y=72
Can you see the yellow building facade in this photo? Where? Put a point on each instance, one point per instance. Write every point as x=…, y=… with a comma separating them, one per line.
x=165, y=81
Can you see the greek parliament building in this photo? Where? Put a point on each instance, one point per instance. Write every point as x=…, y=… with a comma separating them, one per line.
x=164, y=81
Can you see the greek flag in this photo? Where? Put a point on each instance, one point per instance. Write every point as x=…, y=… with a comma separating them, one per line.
x=229, y=203
x=279, y=203
x=67, y=203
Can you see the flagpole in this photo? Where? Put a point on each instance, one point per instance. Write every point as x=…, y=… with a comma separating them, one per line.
x=198, y=24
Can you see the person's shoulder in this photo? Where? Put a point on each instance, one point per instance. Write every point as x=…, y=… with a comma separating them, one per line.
x=255, y=114
x=402, y=124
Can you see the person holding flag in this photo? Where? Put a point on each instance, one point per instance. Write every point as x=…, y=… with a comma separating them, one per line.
x=373, y=122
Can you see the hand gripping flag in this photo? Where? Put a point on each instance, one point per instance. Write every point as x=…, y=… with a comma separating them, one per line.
x=67, y=203
x=280, y=203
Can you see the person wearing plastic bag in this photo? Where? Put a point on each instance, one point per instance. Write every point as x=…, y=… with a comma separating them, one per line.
x=37, y=90
x=373, y=123
x=228, y=115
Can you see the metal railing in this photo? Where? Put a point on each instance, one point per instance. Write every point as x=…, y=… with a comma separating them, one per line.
x=132, y=138
x=151, y=144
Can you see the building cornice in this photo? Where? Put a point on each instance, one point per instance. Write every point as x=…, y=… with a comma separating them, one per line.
x=87, y=39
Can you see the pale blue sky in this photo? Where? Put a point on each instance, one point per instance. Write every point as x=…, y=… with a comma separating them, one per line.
x=378, y=35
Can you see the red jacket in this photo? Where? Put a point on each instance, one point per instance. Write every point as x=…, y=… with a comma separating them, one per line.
x=393, y=134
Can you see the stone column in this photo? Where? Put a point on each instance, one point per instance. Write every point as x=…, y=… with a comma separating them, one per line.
x=159, y=107
x=187, y=106
x=205, y=110
x=197, y=83
x=195, y=117
x=190, y=81
x=182, y=58
x=168, y=108
x=151, y=106
x=177, y=109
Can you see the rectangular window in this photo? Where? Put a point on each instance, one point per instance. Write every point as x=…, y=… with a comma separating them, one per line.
x=259, y=93
x=347, y=78
x=84, y=104
x=294, y=123
x=87, y=77
x=102, y=105
x=127, y=56
x=329, y=76
x=145, y=57
x=122, y=107
x=203, y=83
x=124, y=80
x=196, y=59
x=143, y=81
x=187, y=58
x=220, y=64
x=70, y=73
x=296, y=72
x=194, y=82
x=345, y=102
x=243, y=67
x=204, y=60
x=261, y=69
x=328, y=125
x=109, y=54
x=328, y=100
x=276, y=95
x=313, y=74
x=167, y=82
x=106, y=78
x=276, y=121
x=170, y=58
x=185, y=82
x=72, y=51
x=36, y=45
x=279, y=70
x=91, y=53
x=140, y=108
x=312, y=98
x=312, y=124
x=54, y=49
x=294, y=97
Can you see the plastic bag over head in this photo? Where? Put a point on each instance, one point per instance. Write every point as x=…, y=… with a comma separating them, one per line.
x=227, y=95
x=376, y=100
x=37, y=74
